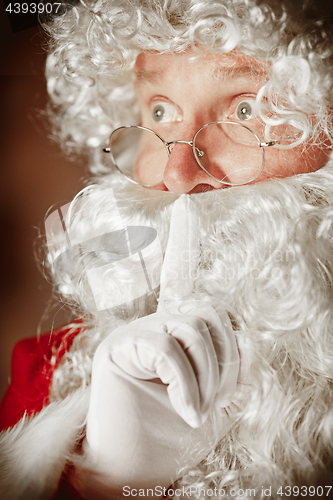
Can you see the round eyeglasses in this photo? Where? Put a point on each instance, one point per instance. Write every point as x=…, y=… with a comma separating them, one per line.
x=229, y=152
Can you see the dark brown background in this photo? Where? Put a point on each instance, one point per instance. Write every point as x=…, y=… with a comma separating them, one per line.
x=35, y=174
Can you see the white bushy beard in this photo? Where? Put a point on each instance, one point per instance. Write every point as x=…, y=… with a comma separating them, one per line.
x=259, y=250
x=266, y=257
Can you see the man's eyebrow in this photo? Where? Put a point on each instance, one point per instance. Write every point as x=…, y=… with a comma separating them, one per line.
x=147, y=76
x=243, y=71
x=223, y=73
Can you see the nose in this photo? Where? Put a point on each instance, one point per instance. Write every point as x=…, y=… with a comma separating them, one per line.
x=183, y=175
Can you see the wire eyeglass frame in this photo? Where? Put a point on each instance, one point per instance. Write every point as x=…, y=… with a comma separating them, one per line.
x=196, y=151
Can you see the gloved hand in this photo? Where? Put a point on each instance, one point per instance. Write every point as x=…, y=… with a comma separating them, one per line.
x=154, y=384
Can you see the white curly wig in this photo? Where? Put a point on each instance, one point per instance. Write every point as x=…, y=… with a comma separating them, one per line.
x=276, y=236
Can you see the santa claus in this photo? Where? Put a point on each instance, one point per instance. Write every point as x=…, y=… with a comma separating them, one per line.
x=198, y=261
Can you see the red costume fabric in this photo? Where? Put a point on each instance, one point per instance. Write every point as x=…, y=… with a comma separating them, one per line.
x=33, y=363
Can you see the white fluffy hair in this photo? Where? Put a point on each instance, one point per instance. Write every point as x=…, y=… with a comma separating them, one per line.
x=267, y=256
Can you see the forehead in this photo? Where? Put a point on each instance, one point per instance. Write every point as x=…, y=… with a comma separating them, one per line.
x=153, y=67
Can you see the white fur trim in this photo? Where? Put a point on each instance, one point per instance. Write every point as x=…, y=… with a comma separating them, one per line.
x=34, y=452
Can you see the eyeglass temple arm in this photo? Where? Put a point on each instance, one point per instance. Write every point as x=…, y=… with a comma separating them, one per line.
x=272, y=143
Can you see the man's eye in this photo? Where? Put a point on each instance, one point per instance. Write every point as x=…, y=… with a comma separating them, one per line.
x=164, y=112
x=244, y=110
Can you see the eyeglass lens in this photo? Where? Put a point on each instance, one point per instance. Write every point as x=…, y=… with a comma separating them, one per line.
x=231, y=152
x=139, y=154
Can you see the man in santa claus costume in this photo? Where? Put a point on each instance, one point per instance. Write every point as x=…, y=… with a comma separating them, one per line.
x=198, y=261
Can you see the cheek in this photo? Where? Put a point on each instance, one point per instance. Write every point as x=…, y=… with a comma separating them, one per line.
x=285, y=163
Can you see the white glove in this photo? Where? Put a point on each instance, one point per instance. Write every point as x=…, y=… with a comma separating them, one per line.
x=153, y=381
